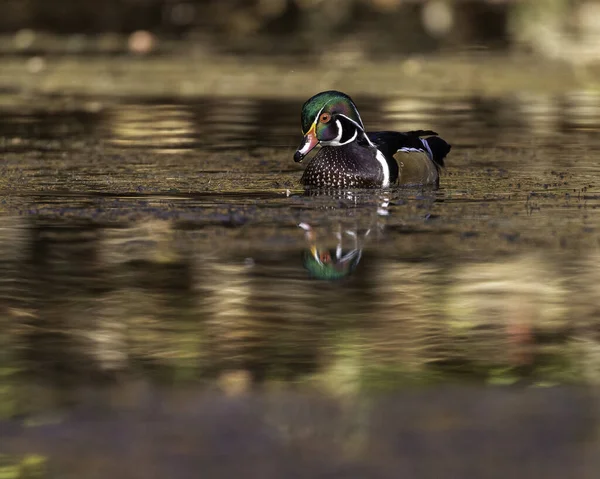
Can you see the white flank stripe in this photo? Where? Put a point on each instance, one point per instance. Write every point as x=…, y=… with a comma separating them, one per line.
x=385, y=167
x=427, y=147
x=412, y=149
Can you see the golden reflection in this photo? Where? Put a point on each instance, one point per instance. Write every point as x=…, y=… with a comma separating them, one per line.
x=290, y=322
x=540, y=111
x=235, y=382
x=405, y=330
x=495, y=309
x=585, y=351
x=582, y=109
x=238, y=312
x=410, y=113
x=230, y=329
x=138, y=319
x=149, y=240
x=164, y=128
x=230, y=122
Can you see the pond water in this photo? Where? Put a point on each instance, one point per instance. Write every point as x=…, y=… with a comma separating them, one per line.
x=172, y=300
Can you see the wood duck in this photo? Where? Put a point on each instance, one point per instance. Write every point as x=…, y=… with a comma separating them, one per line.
x=352, y=158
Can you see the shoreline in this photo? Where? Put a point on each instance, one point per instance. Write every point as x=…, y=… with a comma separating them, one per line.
x=186, y=76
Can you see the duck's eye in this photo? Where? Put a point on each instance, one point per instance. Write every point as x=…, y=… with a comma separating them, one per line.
x=325, y=117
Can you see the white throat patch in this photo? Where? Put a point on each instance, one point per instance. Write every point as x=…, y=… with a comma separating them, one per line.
x=359, y=127
x=336, y=141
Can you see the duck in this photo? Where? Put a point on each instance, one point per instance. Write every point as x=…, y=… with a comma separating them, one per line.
x=326, y=263
x=351, y=157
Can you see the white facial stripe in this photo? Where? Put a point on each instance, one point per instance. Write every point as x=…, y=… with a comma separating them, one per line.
x=385, y=167
x=358, y=115
x=350, y=119
x=336, y=142
x=319, y=114
x=352, y=139
x=359, y=127
x=314, y=123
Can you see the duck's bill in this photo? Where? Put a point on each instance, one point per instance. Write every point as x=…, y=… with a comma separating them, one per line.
x=309, y=142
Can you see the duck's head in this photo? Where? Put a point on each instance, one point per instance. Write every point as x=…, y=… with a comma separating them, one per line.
x=329, y=118
x=326, y=265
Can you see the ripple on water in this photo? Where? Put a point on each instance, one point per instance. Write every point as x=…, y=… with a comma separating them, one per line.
x=162, y=238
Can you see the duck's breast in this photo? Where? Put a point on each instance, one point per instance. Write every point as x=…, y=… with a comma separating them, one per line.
x=343, y=167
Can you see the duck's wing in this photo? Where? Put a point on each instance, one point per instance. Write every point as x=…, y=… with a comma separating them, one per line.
x=392, y=142
x=419, y=159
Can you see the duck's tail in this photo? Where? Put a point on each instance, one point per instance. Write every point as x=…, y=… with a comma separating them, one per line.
x=438, y=149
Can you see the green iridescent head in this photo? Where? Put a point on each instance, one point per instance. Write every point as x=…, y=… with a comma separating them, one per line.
x=323, y=264
x=330, y=102
x=324, y=117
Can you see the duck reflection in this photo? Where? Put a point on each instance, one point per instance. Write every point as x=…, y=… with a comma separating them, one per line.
x=335, y=250
x=323, y=261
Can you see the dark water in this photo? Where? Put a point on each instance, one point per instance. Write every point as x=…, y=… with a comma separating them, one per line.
x=163, y=312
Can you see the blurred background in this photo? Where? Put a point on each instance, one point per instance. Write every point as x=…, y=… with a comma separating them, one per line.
x=435, y=44
x=562, y=29
x=161, y=312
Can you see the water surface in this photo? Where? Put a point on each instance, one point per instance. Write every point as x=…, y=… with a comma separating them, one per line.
x=152, y=262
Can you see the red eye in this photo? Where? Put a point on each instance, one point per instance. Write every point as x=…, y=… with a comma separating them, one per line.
x=325, y=117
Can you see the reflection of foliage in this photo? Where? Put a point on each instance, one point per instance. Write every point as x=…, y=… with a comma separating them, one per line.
x=171, y=311
x=381, y=377
x=7, y=393
x=31, y=466
x=9, y=325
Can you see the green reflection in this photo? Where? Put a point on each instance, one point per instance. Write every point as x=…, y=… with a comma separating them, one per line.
x=30, y=466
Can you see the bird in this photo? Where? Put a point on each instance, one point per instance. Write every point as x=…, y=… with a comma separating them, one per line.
x=351, y=157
